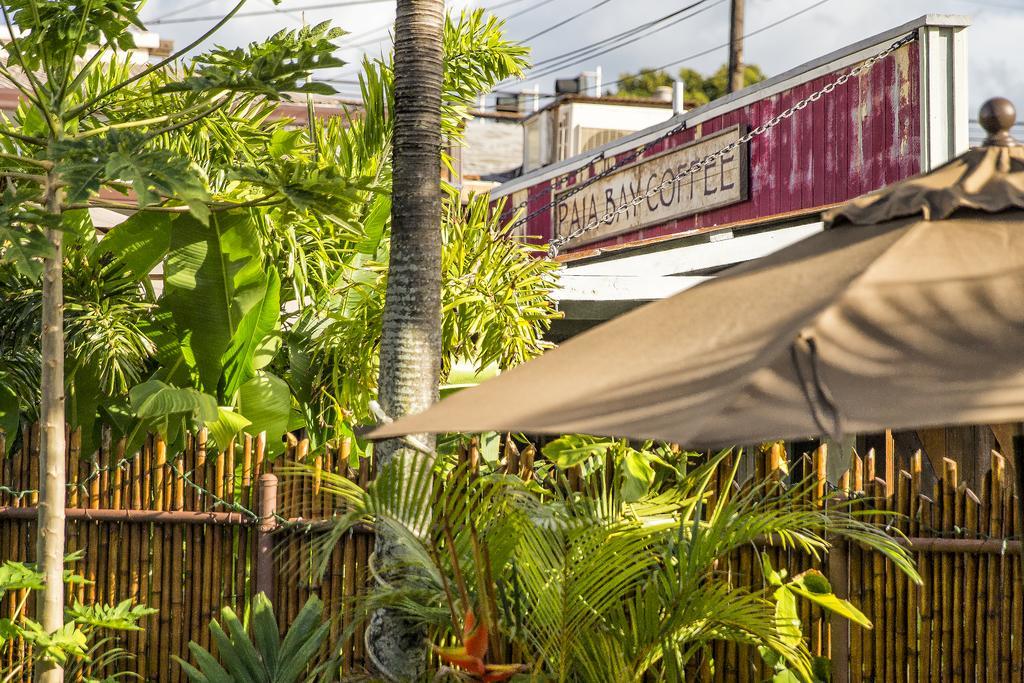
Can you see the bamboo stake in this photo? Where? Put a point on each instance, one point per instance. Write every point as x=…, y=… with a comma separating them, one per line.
x=157, y=591
x=981, y=618
x=134, y=546
x=745, y=656
x=1017, y=602
x=971, y=505
x=900, y=586
x=857, y=658
x=878, y=615
x=1006, y=586
x=957, y=653
x=1017, y=605
x=176, y=580
x=949, y=484
x=995, y=529
x=926, y=595
x=914, y=592
x=216, y=577
x=362, y=574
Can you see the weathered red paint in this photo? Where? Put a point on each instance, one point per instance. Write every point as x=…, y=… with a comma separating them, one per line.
x=863, y=136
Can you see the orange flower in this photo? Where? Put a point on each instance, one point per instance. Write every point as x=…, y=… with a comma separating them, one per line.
x=470, y=657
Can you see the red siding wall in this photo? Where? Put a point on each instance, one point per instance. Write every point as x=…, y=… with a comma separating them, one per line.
x=863, y=136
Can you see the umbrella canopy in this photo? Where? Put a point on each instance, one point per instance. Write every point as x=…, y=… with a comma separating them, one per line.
x=907, y=311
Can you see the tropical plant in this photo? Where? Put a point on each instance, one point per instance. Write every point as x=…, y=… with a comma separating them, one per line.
x=84, y=643
x=588, y=586
x=264, y=656
x=312, y=234
x=88, y=125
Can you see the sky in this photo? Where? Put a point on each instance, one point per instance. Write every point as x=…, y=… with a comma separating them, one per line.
x=994, y=65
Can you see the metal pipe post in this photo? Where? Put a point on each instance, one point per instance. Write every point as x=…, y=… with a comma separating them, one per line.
x=264, y=535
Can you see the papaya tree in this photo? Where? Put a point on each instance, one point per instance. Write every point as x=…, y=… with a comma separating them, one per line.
x=90, y=132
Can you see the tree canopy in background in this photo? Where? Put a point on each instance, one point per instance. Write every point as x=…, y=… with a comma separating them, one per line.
x=699, y=89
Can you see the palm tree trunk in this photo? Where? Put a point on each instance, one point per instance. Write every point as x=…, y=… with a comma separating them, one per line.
x=50, y=544
x=410, y=356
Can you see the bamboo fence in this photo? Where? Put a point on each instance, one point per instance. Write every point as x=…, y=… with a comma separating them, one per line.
x=192, y=532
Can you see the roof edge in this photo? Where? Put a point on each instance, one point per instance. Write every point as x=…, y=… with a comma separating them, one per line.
x=833, y=61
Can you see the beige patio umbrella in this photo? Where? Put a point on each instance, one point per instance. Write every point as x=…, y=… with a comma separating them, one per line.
x=907, y=311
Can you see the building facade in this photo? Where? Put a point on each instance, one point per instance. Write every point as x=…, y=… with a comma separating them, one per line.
x=635, y=221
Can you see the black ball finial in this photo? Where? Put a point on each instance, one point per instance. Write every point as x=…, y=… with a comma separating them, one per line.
x=997, y=117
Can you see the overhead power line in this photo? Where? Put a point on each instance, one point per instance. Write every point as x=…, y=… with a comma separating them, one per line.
x=696, y=55
x=628, y=37
x=262, y=13
x=608, y=40
x=528, y=9
x=767, y=27
x=566, y=20
x=180, y=10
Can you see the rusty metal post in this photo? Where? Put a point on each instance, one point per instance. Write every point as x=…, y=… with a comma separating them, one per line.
x=264, y=535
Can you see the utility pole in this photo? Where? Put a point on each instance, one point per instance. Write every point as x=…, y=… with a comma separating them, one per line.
x=736, y=46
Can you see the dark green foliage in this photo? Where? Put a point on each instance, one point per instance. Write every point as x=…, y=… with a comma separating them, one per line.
x=265, y=656
x=86, y=164
x=62, y=29
x=86, y=642
x=698, y=88
x=274, y=68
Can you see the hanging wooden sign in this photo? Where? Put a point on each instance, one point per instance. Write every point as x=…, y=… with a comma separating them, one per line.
x=721, y=182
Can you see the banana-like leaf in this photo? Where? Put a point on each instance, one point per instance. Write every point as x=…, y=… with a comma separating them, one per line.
x=250, y=340
x=140, y=243
x=266, y=401
x=154, y=399
x=214, y=279
x=226, y=427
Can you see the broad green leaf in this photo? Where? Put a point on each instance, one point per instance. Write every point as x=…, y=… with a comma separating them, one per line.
x=568, y=451
x=264, y=630
x=251, y=336
x=140, y=242
x=10, y=415
x=226, y=427
x=266, y=402
x=374, y=225
x=25, y=248
x=787, y=617
x=154, y=399
x=213, y=277
x=83, y=396
x=58, y=33
x=786, y=676
x=637, y=476
x=809, y=586
x=822, y=668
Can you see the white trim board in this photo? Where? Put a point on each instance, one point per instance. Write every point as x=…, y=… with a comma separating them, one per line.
x=723, y=250
x=621, y=287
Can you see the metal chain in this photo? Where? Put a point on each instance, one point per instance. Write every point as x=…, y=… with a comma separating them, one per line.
x=204, y=492
x=81, y=485
x=557, y=242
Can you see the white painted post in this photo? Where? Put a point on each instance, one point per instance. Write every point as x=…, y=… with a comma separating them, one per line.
x=944, y=109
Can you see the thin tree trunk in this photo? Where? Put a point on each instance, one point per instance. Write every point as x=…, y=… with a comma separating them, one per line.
x=410, y=357
x=50, y=544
